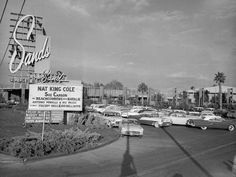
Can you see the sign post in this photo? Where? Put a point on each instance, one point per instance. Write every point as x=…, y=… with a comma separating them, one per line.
x=44, y=115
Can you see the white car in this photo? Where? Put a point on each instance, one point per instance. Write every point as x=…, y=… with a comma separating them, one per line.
x=156, y=121
x=124, y=114
x=180, y=118
x=208, y=115
x=99, y=108
x=113, y=119
x=131, y=127
x=134, y=112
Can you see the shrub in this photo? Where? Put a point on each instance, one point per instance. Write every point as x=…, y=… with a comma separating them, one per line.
x=91, y=121
x=55, y=141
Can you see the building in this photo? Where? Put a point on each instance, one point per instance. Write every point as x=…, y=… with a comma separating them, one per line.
x=229, y=94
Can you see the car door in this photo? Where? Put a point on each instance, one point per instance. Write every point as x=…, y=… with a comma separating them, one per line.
x=183, y=119
x=215, y=123
x=219, y=123
x=180, y=119
x=174, y=118
x=208, y=122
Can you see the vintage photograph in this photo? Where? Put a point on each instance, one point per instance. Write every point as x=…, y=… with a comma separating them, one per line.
x=118, y=88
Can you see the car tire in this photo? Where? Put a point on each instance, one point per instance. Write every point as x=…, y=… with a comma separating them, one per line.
x=156, y=125
x=231, y=128
x=204, y=128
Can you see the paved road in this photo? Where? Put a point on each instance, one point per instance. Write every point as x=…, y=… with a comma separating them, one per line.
x=175, y=151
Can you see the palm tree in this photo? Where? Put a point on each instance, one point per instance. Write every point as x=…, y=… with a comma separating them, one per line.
x=192, y=88
x=142, y=88
x=219, y=79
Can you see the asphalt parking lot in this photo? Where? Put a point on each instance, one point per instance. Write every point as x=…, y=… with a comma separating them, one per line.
x=175, y=151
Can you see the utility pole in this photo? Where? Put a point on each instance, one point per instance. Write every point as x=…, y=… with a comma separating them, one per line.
x=175, y=97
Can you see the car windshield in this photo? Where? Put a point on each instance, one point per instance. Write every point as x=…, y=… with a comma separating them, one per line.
x=111, y=114
x=193, y=113
x=128, y=122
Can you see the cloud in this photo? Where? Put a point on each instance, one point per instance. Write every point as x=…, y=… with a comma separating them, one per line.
x=140, y=4
x=114, y=5
x=130, y=63
x=72, y=5
x=178, y=75
x=221, y=9
x=111, y=67
x=185, y=75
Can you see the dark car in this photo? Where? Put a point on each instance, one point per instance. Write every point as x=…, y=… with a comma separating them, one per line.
x=213, y=122
x=221, y=112
x=232, y=114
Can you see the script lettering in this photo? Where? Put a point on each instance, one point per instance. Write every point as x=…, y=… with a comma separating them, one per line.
x=31, y=57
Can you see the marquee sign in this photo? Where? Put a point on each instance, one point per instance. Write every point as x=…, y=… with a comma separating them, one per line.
x=55, y=97
x=28, y=58
x=45, y=77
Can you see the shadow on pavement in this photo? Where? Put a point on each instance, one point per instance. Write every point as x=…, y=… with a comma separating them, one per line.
x=128, y=167
x=177, y=175
x=229, y=165
x=188, y=155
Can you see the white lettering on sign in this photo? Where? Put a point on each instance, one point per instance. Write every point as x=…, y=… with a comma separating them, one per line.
x=31, y=57
x=55, y=97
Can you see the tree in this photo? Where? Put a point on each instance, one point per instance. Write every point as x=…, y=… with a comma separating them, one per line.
x=116, y=85
x=2, y=99
x=97, y=84
x=219, y=79
x=142, y=88
x=206, y=96
x=196, y=97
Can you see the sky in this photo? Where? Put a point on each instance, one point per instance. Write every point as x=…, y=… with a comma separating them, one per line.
x=166, y=44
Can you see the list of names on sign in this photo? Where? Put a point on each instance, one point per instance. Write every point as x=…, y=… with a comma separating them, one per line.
x=38, y=116
x=55, y=97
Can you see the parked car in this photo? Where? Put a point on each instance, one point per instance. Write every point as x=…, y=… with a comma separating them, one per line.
x=194, y=114
x=112, y=113
x=179, y=111
x=134, y=112
x=156, y=121
x=213, y=122
x=166, y=112
x=131, y=127
x=206, y=114
x=180, y=118
x=124, y=114
x=99, y=108
x=113, y=119
x=232, y=114
x=221, y=112
x=198, y=109
x=210, y=109
x=148, y=113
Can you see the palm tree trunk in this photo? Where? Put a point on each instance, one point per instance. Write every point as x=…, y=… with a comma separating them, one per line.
x=142, y=98
x=220, y=95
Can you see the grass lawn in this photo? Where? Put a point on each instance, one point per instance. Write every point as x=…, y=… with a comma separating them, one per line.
x=11, y=124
